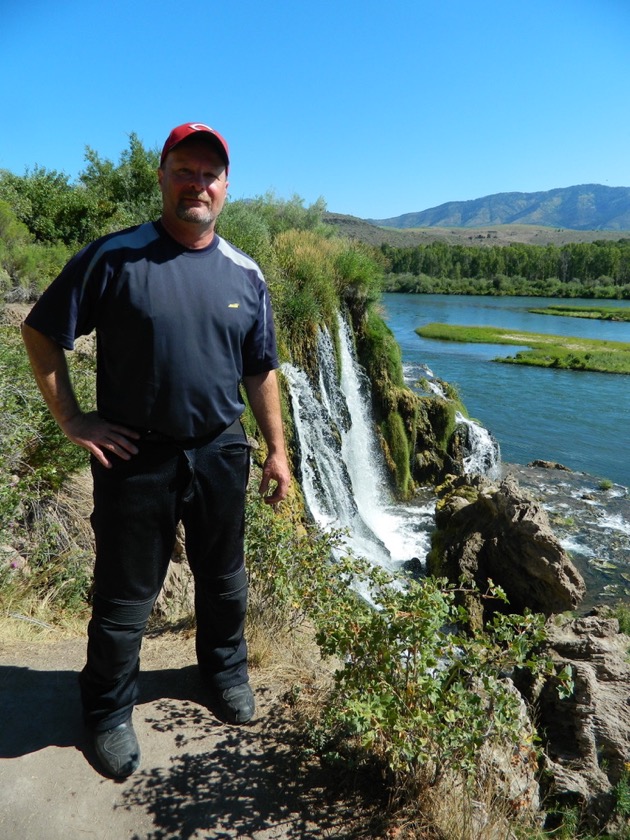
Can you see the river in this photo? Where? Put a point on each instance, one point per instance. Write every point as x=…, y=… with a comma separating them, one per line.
x=575, y=418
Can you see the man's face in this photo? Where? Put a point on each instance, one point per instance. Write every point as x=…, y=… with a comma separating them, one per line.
x=193, y=183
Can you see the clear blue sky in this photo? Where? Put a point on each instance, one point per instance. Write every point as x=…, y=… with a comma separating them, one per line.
x=382, y=108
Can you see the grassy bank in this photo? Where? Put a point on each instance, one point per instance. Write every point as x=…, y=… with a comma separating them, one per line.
x=556, y=351
x=597, y=313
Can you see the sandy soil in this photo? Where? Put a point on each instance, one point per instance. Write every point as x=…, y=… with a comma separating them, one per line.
x=199, y=778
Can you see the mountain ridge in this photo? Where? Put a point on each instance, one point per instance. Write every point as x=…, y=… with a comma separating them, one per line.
x=363, y=231
x=584, y=207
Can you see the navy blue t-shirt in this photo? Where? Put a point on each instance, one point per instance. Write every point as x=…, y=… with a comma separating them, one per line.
x=176, y=328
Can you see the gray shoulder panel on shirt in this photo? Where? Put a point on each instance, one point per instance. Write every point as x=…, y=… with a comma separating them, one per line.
x=135, y=239
x=239, y=258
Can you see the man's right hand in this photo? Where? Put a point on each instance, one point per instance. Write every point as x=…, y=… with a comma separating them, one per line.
x=100, y=437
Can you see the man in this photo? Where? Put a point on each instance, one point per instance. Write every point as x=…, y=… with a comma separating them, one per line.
x=181, y=319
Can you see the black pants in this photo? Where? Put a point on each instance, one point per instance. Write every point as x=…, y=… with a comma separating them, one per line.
x=137, y=506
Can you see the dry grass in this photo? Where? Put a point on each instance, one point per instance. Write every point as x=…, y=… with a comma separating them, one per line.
x=73, y=507
x=26, y=613
x=294, y=657
x=12, y=314
x=457, y=815
x=448, y=811
x=26, y=622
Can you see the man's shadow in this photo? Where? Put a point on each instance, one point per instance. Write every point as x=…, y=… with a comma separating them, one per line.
x=40, y=709
x=247, y=781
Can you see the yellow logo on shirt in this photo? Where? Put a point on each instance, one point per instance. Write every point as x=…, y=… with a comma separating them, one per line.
x=233, y=305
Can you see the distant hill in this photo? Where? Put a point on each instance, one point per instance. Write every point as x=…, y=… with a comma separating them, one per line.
x=370, y=233
x=589, y=207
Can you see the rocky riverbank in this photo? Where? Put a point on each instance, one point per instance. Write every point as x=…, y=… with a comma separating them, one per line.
x=592, y=524
x=501, y=531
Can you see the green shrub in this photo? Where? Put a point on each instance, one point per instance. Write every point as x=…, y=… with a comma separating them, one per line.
x=621, y=612
x=304, y=291
x=291, y=570
x=412, y=693
x=359, y=275
x=622, y=795
x=417, y=695
x=281, y=215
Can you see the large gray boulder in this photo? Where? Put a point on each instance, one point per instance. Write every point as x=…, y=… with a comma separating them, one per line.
x=495, y=531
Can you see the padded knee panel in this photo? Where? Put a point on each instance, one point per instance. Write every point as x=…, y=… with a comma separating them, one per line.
x=123, y=613
x=229, y=585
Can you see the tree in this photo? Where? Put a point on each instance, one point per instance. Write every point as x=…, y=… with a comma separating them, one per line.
x=128, y=193
x=53, y=209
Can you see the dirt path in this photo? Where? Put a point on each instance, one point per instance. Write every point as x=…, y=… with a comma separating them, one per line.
x=199, y=778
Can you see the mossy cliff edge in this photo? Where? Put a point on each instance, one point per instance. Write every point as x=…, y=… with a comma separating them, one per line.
x=313, y=276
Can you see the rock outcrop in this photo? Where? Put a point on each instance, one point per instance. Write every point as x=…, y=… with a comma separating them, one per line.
x=494, y=531
x=549, y=465
x=586, y=737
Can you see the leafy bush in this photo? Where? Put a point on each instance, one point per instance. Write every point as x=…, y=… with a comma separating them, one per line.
x=412, y=692
x=418, y=694
x=291, y=570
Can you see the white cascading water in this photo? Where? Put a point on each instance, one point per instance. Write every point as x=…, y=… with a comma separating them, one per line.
x=483, y=450
x=484, y=453
x=343, y=474
x=403, y=529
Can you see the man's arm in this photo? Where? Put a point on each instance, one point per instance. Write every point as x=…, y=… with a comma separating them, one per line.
x=48, y=361
x=264, y=399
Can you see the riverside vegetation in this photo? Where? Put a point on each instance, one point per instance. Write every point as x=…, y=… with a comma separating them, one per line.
x=599, y=269
x=600, y=313
x=554, y=351
x=412, y=698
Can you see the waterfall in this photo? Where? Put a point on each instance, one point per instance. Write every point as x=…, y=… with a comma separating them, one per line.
x=484, y=456
x=342, y=468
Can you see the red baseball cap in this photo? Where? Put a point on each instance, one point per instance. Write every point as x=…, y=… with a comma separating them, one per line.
x=183, y=131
